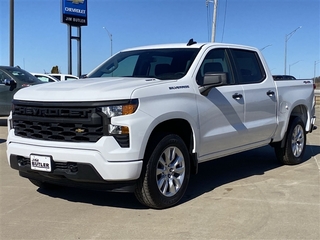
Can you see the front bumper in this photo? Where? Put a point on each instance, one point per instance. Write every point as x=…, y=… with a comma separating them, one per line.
x=76, y=164
x=109, y=171
x=73, y=174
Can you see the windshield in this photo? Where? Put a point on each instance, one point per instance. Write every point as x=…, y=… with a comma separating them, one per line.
x=155, y=63
x=22, y=75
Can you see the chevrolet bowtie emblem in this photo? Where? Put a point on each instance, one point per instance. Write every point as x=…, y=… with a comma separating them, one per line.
x=79, y=130
x=76, y=1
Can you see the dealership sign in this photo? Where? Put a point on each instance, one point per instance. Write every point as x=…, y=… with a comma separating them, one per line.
x=74, y=12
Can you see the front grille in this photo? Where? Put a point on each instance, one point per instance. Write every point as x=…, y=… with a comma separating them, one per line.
x=58, y=122
x=71, y=132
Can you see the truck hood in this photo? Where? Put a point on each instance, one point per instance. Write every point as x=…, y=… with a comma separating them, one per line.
x=91, y=89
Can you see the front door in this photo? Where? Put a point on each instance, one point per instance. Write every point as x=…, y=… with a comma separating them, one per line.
x=221, y=109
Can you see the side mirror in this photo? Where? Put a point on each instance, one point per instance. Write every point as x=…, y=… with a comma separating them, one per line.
x=10, y=82
x=211, y=80
x=215, y=79
x=6, y=82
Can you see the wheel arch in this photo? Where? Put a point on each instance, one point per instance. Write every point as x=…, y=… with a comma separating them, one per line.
x=180, y=127
x=298, y=111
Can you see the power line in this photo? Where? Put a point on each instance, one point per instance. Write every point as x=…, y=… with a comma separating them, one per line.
x=208, y=19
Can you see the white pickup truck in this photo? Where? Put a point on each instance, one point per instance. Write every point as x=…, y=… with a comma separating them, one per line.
x=144, y=119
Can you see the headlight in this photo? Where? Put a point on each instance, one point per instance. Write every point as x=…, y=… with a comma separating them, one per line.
x=123, y=108
x=115, y=129
x=119, y=110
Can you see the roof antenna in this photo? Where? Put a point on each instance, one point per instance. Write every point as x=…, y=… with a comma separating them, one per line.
x=191, y=42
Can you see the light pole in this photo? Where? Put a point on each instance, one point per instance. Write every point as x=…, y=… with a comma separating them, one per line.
x=265, y=47
x=11, y=57
x=292, y=65
x=288, y=36
x=214, y=18
x=110, y=36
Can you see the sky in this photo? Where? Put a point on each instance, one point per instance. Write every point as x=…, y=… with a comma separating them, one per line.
x=41, y=39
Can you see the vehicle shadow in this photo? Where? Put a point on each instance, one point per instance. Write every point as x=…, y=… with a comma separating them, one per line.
x=211, y=175
x=98, y=198
x=311, y=151
x=3, y=121
x=229, y=169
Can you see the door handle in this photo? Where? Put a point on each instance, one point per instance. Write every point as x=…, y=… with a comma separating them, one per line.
x=237, y=96
x=270, y=93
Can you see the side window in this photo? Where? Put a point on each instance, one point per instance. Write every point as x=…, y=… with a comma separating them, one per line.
x=43, y=78
x=3, y=76
x=57, y=76
x=216, y=61
x=248, y=66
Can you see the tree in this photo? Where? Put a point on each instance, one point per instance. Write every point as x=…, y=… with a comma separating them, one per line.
x=55, y=69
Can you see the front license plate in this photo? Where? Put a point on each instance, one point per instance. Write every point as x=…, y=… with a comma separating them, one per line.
x=40, y=163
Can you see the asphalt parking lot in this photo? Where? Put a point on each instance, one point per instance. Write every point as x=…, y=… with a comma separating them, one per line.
x=244, y=196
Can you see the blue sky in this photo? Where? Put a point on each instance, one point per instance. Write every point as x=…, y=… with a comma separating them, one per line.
x=41, y=38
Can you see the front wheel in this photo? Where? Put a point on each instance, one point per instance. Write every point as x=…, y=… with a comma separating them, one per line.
x=166, y=174
x=295, y=143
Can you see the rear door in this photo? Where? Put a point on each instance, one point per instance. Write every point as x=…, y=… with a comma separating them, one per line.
x=259, y=96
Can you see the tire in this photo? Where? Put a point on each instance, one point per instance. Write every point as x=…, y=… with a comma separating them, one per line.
x=295, y=143
x=166, y=173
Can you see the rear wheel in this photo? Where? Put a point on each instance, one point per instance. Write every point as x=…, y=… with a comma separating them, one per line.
x=295, y=143
x=166, y=174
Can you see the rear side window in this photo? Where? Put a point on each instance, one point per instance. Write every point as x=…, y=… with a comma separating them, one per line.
x=248, y=66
